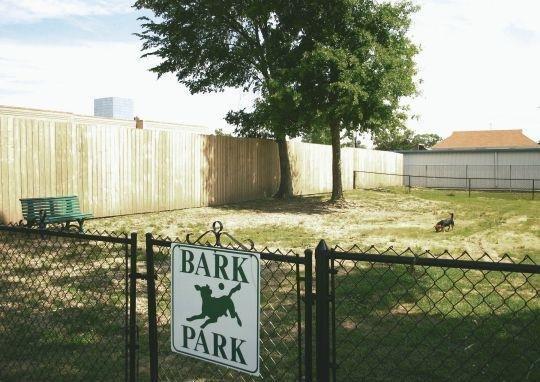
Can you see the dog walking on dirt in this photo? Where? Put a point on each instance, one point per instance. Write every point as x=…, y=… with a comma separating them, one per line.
x=445, y=223
x=216, y=307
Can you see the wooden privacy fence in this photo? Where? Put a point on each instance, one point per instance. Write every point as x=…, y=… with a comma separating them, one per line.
x=117, y=169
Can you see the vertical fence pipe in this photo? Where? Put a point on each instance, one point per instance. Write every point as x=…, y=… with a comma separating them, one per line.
x=127, y=327
x=308, y=285
x=466, y=174
x=333, y=272
x=510, y=178
x=409, y=184
x=322, y=311
x=133, y=346
x=299, y=280
x=152, y=318
x=469, y=179
x=533, y=190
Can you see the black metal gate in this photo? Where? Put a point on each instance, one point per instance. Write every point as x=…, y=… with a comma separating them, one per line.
x=67, y=306
x=386, y=316
x=286, y=303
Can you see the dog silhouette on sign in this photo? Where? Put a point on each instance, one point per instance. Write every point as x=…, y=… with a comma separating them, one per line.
x=216, y=307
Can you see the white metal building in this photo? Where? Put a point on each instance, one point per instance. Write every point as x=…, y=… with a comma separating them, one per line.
x=488, y=168
x=113, y=107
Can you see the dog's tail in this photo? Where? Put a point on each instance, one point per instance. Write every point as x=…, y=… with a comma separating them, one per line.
x=235, y=289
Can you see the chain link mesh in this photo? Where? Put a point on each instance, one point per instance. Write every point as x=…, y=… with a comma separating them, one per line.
x=63, y=306
x=279, y=336
x=416, y=322
x=64, y=302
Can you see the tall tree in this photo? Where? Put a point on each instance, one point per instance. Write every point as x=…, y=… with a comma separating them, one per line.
x=357, y=71
x=402, y=138
x=320, y=67
x=210, y=45
x=273, y=115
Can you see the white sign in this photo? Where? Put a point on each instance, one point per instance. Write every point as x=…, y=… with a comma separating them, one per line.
x=215, y=305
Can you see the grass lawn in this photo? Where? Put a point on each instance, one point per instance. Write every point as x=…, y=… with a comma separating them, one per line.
x=496, y=223
x=435, y=324
x=62, y=309
x=391, y=322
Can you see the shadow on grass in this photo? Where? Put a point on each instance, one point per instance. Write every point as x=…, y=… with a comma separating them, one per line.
x=68, y=344
x=394, y=323
x=62, y=310
x=308, y=205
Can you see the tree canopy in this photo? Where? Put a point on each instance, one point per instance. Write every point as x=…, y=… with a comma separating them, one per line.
x=403, y=139
x=319, y=67
x=211, y=45
x=357, y=72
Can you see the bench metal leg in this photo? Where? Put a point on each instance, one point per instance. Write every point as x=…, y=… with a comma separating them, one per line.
x=42, y=216
x=81, y=222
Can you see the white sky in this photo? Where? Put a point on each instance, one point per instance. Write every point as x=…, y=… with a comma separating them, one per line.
x=479, y=65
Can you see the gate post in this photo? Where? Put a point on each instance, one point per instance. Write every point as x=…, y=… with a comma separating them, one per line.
x=322, y=311
x=152, y=319
x=133, y=346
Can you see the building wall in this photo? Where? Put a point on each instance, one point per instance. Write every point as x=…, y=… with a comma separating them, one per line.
x=489, y=169
x=483, y=157
x=113, y=107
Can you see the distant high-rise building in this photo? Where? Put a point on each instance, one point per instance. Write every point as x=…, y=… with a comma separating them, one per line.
x=113, y=107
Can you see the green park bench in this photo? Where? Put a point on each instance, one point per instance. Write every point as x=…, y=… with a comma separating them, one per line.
x=58, y=209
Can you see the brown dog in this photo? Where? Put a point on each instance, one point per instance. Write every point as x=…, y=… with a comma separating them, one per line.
x=446, y=223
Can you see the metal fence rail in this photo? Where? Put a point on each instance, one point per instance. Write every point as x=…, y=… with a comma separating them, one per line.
x=496, y=176
x=409, y=316
x=65, y=306
x=286, y=339
x=519, y=185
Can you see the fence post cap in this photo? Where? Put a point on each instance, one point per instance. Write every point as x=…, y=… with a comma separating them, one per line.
x=321, y=246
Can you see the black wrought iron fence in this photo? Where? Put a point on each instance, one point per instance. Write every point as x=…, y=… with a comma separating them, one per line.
x=419, y=316
x=65, y=306
x=285, y=306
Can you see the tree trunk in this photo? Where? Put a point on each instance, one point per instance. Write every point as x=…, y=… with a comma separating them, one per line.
x=337, y=187
x=285, y=190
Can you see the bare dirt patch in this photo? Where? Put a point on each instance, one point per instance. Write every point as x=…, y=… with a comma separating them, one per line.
x=487, y=223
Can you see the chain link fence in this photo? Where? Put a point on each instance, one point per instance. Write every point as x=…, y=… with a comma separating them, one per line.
x=64, y=306
x=67, y=312
x=421, y=316
x=283, y=357
x=517, y=186
x=475, y=177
